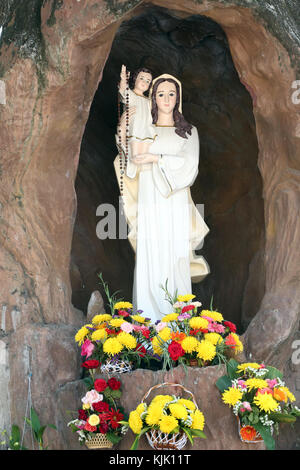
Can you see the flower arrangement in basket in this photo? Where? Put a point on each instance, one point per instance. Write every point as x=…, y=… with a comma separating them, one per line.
x=260, y=400
x=168, y=421
x=98, y=422
x=118, y=340
x=190, y=336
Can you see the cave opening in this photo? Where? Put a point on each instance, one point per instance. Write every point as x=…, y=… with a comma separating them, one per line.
x=194, y=48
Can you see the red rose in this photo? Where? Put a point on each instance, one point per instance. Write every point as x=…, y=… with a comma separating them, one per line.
x=82, y=415
x=230, y=325
x=90, y=428
x=91, y=364
x=123, y=313
x=103, y=428
x=114, y=384
x=141, y=350
x=187, y=308
x=100, y=385
x=146, y=332
x=175, y=350
x=101, y=406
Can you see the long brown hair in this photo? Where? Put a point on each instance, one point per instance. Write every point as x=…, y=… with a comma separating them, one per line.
x=182, y=127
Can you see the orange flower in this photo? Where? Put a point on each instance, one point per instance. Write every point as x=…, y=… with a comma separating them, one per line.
x=279, y=395
x=178, y=336
x=248, y=433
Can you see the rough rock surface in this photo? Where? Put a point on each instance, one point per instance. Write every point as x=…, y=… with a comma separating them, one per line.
x=52, y=59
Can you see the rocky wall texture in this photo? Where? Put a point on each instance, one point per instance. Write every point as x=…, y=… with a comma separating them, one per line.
x=52, y=58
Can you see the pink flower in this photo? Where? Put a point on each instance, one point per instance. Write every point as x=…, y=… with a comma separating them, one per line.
x=183, y=316
x=160, y=326
x=178, y=304
x=137, y=328
x=216, y=327
x=247, y=405
x=262, y=391
x=243, y=410
x=271, y=383
x=127, y=327
x=92, y=397
x=81, y=424
x=242, y=384
x=87, y=348
x=262, y=366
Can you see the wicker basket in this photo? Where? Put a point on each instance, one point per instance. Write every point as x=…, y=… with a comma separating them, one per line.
x=256, y=440
x=99, y=441
x=159, y=440
x=116, y=367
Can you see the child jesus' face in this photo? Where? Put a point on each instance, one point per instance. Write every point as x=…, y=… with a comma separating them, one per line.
x=142, y=82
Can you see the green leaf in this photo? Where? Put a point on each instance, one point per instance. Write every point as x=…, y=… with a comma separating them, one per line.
x=135, y=443
x=231, y=367
x=198, y=433
x=188, y=432
x=116, y=394
x=15, y=433
x=266, y=435
x=273, y=373
x=35, y=422
x=282, y=417
x=223, y=383
x=114, y=438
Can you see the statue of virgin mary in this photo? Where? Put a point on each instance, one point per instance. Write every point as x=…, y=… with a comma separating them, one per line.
x=165, y=227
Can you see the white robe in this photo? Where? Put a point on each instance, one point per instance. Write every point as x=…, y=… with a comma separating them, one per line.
x=162, y=223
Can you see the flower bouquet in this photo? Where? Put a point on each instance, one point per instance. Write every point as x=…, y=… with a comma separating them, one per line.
x=168, y=421
x=194, y=338
x=98, y=422
x=119, y=340
x=260, y=400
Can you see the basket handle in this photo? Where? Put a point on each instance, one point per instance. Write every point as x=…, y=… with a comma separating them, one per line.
x=165, y=384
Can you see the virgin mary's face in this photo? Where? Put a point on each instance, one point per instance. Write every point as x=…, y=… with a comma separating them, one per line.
x=166, y=97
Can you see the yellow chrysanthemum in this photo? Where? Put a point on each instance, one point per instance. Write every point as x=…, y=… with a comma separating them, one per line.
x=213, y=338
x=141, y=408
x=190, y=405
x=265, y=402
x=116, y=322
x=165, y=334
x=232, y=396
x=198, y=322
x=112, y=346
x=122, y=305
x=127, y=340
x=178, y=411
x=288, y=393
x=135, y=422
x=138, y=318
x=198, y=420
x=255, y=383
x=190, y=344
x=162, y=399
x=238, y=344
x=97, y=335
x=167, y=424
x=185, y=298
x=101, y=318
x=170, y=317
x=245, y=365
x=156, y=345
x=154, y=413
x=81, y=334
x=94, y=420
x=216, y=316
x=206, y=350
